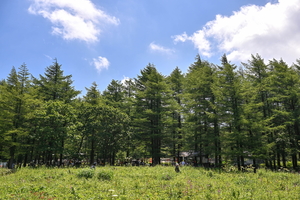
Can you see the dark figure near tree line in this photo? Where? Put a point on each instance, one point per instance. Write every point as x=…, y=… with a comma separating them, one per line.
x=177, y=168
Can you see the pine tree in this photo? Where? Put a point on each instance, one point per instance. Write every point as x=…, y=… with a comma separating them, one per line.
x=129, y=98
x=201, y=115
x=284, y=89
x=55, y=86
x=152, y=109
x=175, y=81
x=15, y=100
x=93, y=95
x=54, y=120
x=256, y=108
x=89, y=118
x=114, y=94
x=227, y=89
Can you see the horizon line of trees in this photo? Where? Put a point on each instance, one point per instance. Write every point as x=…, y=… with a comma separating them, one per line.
x=215, y=111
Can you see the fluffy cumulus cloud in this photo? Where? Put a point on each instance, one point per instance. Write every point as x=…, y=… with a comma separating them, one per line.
x=101, y=63
x=271, y=31
x=72, y=19
x=158, y=48
x=124, y=80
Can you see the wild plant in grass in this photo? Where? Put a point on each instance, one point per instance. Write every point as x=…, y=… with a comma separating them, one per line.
x=73, y=192
x=105, y=175
x=4, y=171
x=86, y=173
x=148, y=183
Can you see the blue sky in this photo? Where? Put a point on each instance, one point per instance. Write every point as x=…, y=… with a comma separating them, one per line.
x=97, y=41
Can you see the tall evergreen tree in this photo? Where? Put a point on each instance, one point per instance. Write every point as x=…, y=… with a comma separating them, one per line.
x=129, y=98
x=152, y=109
x=256, y=108
x=227, y=89
x=114, y=94
x=54, y=120
x=55, y=86
x=14, y=102
x=201, y=114
x=284, y=88
x=89, y=118
x=104, y=127
x=175, y=81
x=93, y=95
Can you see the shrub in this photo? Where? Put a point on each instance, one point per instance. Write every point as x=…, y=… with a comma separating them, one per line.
x=289, y=164
x=209, y=174
x=105, y=175
x=262, y=165
x=86, y=173
x=166, y=177
x=4, y=171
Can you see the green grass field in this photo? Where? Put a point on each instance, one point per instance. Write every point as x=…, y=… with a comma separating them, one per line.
x=146, y=183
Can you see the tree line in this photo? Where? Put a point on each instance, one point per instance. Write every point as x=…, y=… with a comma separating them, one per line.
x=220, y=112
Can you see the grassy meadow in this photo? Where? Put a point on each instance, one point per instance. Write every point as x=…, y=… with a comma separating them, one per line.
x=146, y=183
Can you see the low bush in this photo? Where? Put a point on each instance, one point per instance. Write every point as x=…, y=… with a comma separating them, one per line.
x=167, y=176
x=86, y=173
x=4, y=171
x=105, y=175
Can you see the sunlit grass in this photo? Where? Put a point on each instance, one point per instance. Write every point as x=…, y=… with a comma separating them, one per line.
x=147, y=183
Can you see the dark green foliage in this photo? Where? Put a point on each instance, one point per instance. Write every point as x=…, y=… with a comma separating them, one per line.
x=86, y=173
x=227, y=89
x=217, y=114
x=153, y=105
x=176, y=84
x=55, y=86
x=201, y=110
x=105, y=175
x=16, y=98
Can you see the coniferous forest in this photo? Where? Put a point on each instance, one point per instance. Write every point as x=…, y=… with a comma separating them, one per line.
x=218, y=113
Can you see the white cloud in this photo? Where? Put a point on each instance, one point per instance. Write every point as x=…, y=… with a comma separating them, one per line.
x=181, y=38
x=72, y=19
x=271, y=31
x=125, y=78
x=199, y=40
x=159, y=48
x=101, y=63
x=49, y=57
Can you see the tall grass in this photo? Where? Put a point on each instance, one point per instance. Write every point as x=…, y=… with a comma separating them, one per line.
x=147, y=183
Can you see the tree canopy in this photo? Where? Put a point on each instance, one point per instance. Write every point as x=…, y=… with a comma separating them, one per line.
x=217, y=114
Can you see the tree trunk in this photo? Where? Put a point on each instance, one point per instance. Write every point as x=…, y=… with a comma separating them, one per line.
x=61, y=154
x=242, y=161
x=274, y=163
x=113, y=158
x=92, y=153
x=12, y=157
x=196, y=149
x=294, y=161
x=80, y=145
x=278, y=157
x=25, y=160
x=254, y=165
x=238, y=163
x=283, y=159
